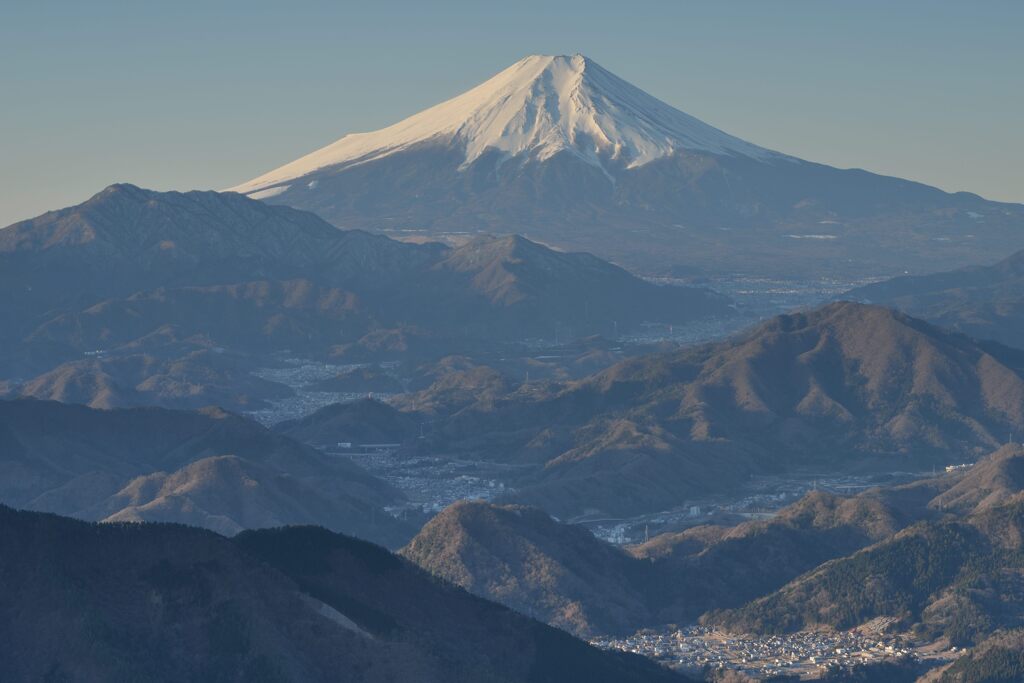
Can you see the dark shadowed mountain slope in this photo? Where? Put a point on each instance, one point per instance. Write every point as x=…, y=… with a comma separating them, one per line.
x=396, y=598
x=172, y=603
x=843, y=386
x=986, y=302
x=564, y=151
x=72, y=460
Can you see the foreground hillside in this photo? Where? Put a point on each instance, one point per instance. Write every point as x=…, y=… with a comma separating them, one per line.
x=171, y=603
x=845, y=387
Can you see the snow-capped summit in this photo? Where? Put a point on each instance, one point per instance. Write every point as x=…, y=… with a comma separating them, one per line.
x=539, y=106
x=565, y=152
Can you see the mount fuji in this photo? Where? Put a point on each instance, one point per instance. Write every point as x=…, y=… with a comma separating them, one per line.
x=567, y=153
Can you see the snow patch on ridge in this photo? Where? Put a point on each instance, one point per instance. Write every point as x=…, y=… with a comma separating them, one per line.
x=270, y=191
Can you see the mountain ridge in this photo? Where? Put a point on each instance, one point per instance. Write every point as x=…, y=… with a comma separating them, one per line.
x=982, y=301
x=848, y=385
x=136, y=296
x=127, y=246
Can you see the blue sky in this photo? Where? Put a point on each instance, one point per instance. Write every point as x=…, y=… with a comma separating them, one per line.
x=181, y=95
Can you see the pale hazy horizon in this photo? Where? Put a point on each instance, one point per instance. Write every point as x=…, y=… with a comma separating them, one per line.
x=196, y=97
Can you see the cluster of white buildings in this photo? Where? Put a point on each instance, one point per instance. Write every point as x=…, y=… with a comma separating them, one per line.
x=805, y=653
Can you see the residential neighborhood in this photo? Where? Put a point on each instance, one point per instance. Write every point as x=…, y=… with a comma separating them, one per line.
x=808, y=654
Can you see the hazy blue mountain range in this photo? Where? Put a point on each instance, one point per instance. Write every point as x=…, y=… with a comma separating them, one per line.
x=986, y=302
x=134, y=297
